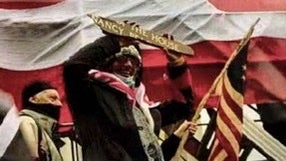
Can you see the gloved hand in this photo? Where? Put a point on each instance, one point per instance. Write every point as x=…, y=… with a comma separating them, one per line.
x=174, y=58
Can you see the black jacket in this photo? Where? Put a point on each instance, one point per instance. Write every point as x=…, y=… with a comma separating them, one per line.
x=102, y=115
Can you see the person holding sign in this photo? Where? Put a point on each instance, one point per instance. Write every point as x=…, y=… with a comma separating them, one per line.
x=113, y=117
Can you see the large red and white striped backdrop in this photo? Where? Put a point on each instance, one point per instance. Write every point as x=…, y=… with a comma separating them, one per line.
x=211, y=28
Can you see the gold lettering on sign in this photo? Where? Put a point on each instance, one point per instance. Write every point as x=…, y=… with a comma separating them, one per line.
x=123, y=29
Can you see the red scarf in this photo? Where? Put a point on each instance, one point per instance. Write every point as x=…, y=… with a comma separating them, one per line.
x=134, y=95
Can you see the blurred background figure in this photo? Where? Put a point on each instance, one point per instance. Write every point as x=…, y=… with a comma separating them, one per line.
x=273, y=117
x=39, y=120
x=11, y=137
x=6, y=103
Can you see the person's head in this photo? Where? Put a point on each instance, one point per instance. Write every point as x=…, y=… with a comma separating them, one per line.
x=117, y=55
x=126, y=64
x=42, y=97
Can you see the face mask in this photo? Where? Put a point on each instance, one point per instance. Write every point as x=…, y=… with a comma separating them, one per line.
x=127, y=80
x=50, y=110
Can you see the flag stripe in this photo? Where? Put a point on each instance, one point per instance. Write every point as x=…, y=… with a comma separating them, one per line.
x=233, y=121
x=221, y=156
x=231, y=93
x=232, y=104
x=226, y=136
x=217, y=154
x=215, y=150
x=249, y=5
x=8, y=4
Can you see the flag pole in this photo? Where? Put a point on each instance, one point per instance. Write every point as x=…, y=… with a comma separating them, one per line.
x=204, y=100
x=242, y=43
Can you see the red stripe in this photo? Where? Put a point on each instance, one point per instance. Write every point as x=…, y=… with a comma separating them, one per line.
x=236, y=132
x=250, y=5
x=215, y=152
x=226, y=145
x=231, y=6
x=237, y=109
x=27, y=4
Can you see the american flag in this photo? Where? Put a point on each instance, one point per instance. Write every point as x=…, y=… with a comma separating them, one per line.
x=228, y=132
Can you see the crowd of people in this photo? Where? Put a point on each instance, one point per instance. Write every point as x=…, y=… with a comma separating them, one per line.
x=113, y=117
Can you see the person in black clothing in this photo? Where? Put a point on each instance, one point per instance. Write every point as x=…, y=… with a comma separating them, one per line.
x=113, y=117
x=273, y=117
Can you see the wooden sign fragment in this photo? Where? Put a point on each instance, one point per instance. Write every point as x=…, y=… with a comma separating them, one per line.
x=145, y=36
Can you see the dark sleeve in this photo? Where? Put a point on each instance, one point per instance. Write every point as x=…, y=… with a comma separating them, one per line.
x=75, y=71
x=181, y=78
x=272, y=112
x=172, y=111
x=175, y=72
x=170, y=146
x=156, y=114
x=90, y=57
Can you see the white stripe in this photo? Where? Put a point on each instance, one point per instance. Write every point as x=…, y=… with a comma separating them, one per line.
x=8, y=129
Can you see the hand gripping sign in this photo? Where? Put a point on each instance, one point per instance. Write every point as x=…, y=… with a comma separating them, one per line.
x=145, y=36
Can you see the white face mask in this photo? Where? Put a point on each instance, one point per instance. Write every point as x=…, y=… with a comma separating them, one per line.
x=130, y=81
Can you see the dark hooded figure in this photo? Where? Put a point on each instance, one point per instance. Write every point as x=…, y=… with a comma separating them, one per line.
x=114, y=119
